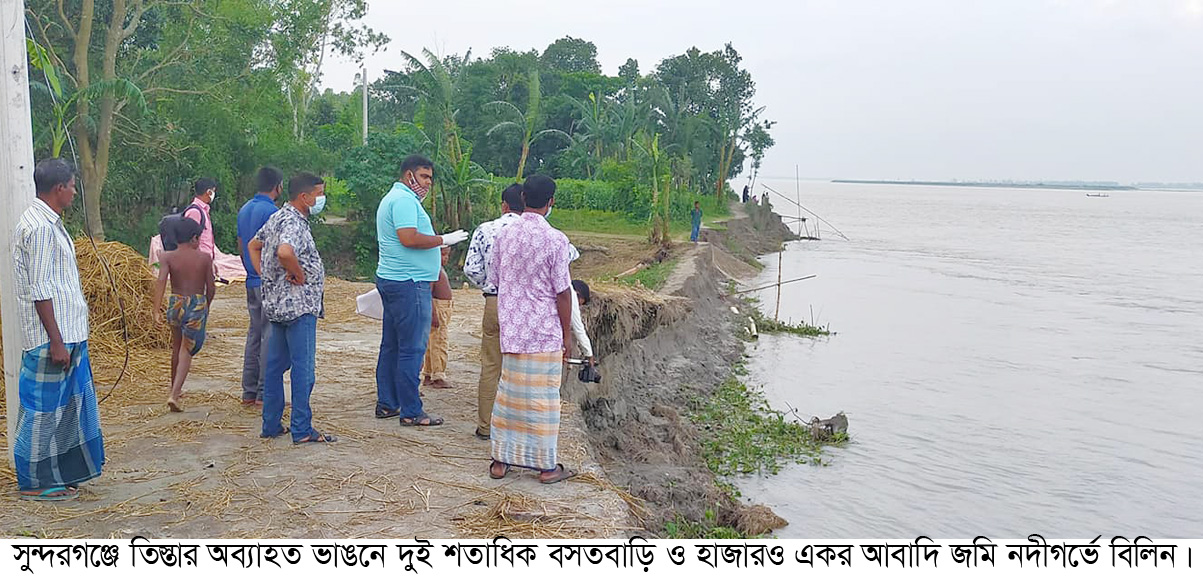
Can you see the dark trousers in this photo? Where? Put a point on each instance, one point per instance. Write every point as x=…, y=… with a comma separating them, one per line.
x=254, y=353
x=402, y=345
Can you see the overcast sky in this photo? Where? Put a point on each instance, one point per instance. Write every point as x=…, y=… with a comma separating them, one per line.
x=892, y=89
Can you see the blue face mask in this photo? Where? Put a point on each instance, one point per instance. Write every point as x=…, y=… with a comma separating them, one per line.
x=318, y=205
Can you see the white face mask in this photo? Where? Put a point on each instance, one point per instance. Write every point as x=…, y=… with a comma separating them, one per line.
x=212, y=197
x=318, y=205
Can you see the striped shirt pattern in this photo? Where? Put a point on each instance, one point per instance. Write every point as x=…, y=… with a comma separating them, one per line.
x=44, y=257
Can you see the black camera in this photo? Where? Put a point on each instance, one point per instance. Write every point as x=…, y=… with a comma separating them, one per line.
x=589, y=374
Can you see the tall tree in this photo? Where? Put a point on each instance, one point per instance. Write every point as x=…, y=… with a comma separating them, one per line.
x=570, y=55
x=528, y=123
x=305, y=31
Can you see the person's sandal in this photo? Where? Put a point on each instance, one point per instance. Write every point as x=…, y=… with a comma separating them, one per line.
x=54, y=494
x=505, y=468
x=561, y=475
x=316, y=437
x=422, y=420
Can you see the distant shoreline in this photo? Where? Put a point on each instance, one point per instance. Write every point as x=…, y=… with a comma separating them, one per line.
x=1062, y=186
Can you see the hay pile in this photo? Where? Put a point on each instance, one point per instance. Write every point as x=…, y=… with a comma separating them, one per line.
x=617, y=314
x=135, y=287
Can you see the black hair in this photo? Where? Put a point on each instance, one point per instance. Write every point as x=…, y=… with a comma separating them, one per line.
x=538, y=191
x=203, y=184
x=186, y=229
x=414, y=162
x=303, y=183
x=52, y=172
x=267, y=179
x=697, y=202
x=582, y=291
x=512, y=196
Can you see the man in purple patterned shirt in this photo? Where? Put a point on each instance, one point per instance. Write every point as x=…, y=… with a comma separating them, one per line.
x=529, y=266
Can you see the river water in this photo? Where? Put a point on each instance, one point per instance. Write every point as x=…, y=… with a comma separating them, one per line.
x=1012, y=361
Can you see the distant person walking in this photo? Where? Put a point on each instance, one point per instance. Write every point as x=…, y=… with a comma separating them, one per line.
x=58, y=444
x=745, y=197
x=409, y=263
x=695, y=216
x=294, y=280
x=269, y=183
x=534, y=308
x=476, y=270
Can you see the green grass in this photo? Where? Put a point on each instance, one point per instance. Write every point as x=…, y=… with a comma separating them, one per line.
x=680, y=527
x=653, y=276
x=617, y=223
x=601, y=222
x=744, y=435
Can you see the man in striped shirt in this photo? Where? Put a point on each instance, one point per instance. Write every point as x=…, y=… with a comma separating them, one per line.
x=58, y=443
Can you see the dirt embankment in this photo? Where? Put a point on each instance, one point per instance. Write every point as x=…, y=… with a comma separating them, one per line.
x=638, y=417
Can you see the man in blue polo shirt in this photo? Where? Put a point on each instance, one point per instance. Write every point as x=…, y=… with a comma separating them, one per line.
x=252, y=216
x=409, y=263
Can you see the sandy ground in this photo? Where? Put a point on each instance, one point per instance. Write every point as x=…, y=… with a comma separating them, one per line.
x=206, y=472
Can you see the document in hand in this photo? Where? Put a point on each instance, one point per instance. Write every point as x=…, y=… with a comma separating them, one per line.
x=369, y=305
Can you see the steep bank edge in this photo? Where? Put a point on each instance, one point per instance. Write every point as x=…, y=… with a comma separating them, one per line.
x=637, y=419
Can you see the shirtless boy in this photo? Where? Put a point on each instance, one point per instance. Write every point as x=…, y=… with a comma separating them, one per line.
x=192, y=290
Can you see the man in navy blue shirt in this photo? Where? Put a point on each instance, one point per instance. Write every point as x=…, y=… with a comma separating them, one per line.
x=252, y=216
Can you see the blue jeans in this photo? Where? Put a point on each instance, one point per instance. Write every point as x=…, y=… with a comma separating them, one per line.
x=402, y=345
x=292, y=345
x=693, y=236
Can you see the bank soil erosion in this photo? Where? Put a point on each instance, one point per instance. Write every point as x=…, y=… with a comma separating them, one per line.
x=672, y=356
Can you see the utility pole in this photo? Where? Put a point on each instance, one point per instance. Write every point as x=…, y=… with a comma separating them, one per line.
x=16, y=191
x=364, y=76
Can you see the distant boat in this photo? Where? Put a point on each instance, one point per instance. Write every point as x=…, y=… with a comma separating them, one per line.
x=1097, y=195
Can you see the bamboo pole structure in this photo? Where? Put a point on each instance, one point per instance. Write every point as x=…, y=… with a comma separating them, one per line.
x=16, y=191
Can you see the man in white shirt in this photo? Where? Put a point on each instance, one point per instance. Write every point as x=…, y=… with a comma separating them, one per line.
x=476, y=267
x=58, y=444
x=580, y=298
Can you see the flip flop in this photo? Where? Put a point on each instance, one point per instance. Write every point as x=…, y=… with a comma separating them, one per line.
x=562, y=475
x=506, y=469
x=431, y=421
x=316, y=437
x=55, y=494
x=283, y=431
x=480, y=435
x=386, y=413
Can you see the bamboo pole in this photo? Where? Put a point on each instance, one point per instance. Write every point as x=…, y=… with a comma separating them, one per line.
x=16, y=192
x=777, y=311
x=745, y=291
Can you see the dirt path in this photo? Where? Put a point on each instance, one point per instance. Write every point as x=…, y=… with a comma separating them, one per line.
x=206, y=472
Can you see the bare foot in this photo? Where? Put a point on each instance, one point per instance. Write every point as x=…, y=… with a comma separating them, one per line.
x=171, y=405
x=441, y=384
x=426, y=381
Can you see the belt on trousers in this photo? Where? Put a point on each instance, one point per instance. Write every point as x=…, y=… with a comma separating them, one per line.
x=489, y=294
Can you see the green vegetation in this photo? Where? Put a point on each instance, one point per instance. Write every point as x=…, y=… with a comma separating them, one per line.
x=744, y=435
x=653, y=276
x=765, y=324
x=708, y=528
x=217, y=88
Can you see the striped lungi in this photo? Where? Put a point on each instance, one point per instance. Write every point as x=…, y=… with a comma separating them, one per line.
x=525, y=428
x=58, y=439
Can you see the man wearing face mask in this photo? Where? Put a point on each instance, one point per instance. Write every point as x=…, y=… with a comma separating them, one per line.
x=293, y=289
x=205, y=191
x=409, y=263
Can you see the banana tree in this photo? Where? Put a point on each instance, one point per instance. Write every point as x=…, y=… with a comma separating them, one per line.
x=593, y=120
x=62, y=107
x=526, y=123
x=661, y=189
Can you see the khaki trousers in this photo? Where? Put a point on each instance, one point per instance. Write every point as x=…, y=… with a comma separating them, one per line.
x=434, y=364
x=490, y=365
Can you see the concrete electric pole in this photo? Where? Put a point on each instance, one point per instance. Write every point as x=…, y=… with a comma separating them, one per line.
x=16, y=190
